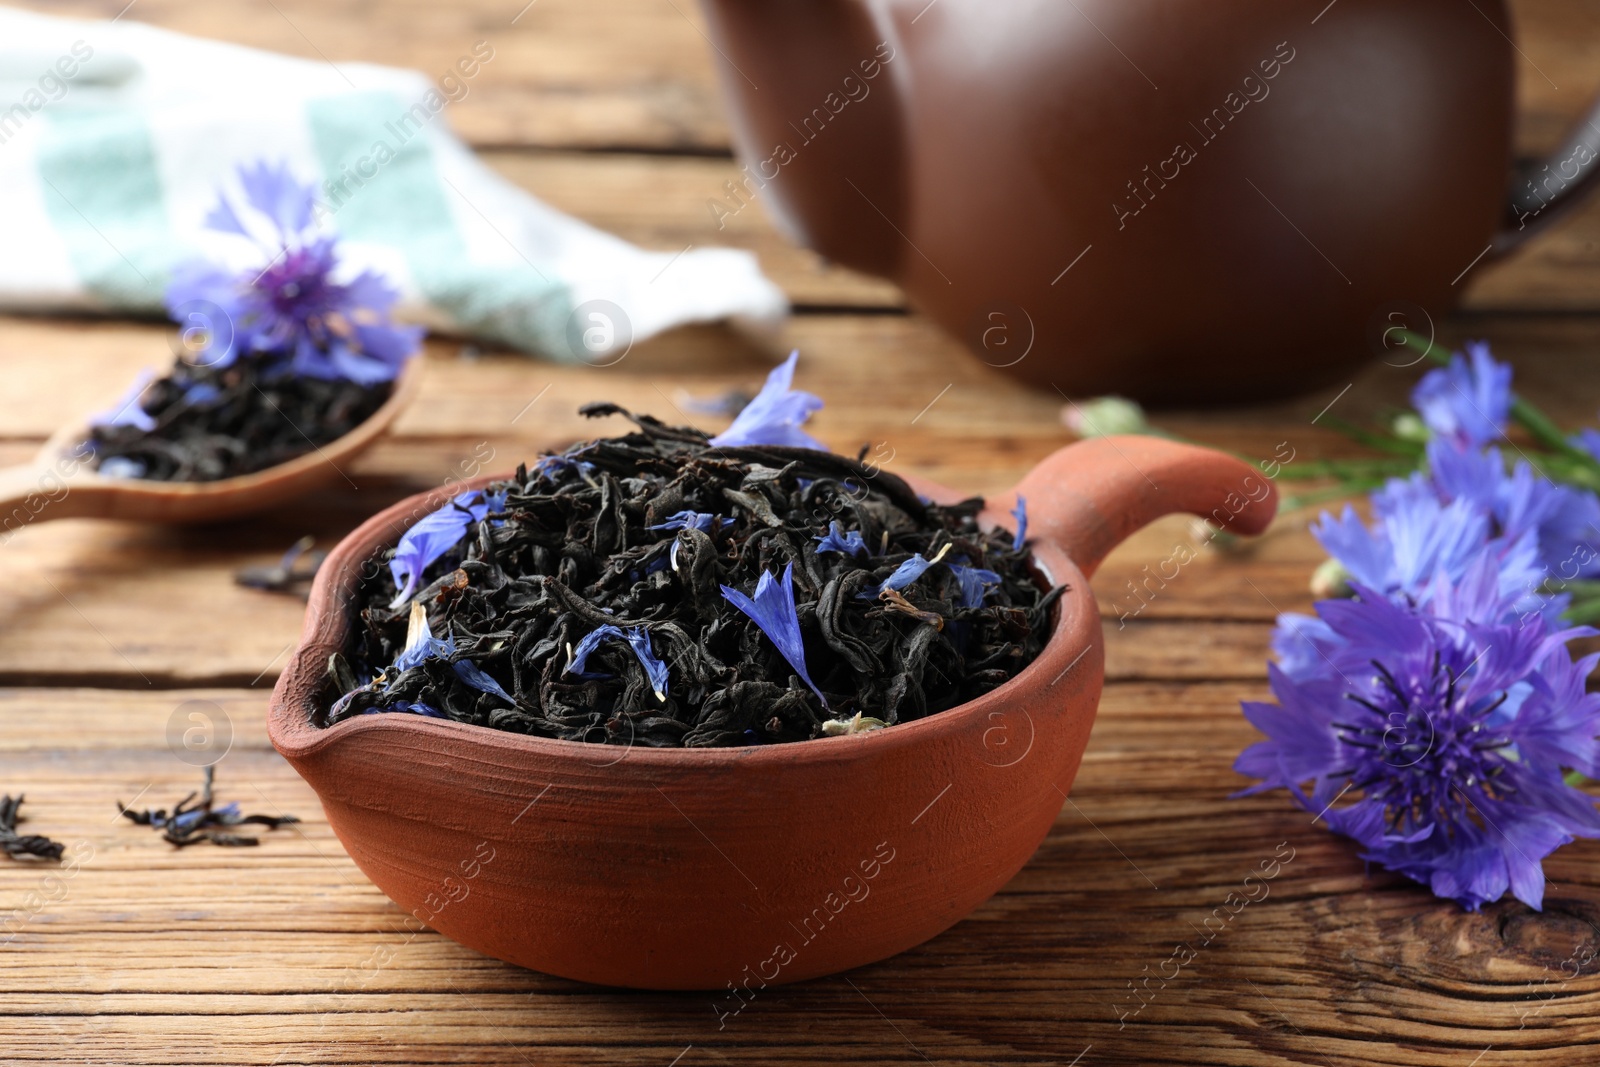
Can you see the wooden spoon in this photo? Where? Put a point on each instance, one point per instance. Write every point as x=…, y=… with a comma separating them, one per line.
x=59, y=484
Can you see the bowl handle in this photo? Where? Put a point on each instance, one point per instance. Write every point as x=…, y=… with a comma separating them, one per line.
x=1089, y=496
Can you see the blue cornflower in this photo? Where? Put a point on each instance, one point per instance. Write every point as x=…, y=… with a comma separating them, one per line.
x=974, y=583
x=1564, y=520
x=696, y=520
x=1445, y=728
x=128, y=411
x=775, y=415
x=1466, y=404
x=435, y=534
x=1020, y=513
x=774, y=613
x=838, y=540
x=421, y=646
x=906, y=573
x=290, y=310
x=638, y=639
x=1588, y=439
x=1417, y=536
x=1468, y=498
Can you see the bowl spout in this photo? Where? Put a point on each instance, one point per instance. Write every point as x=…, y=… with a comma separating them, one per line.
x=1088, y=497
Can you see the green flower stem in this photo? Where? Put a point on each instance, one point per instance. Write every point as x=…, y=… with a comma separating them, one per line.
x=1348, y=470
x=1583, y=614
x=1412, y=450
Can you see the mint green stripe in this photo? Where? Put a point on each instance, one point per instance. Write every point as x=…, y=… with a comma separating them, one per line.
x=383, y=186
x=97, y=170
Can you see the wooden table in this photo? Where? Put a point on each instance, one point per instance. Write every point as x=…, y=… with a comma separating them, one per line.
x=285, y=954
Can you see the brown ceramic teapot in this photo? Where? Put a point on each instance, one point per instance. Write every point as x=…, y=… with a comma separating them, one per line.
x=1182, y=200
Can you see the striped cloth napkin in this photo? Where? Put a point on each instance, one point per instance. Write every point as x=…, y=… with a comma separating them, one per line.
x=115, y=139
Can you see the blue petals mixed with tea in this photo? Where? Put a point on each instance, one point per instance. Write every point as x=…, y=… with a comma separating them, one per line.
x=277, y=359
x=664, y=590
x=197, y=818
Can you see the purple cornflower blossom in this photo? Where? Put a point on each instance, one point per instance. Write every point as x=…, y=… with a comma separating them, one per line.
x=773, y=611
x=435, y=534
x=1444, y=722
x=290, y=310
x=1417, y=537
x=1438, y=520
x=638, y=639
x=1564, y=520
x=1468, y=401
x=775, y=415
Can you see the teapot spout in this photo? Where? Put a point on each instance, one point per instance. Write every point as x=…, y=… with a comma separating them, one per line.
x=812, y=91
x=1089, y=497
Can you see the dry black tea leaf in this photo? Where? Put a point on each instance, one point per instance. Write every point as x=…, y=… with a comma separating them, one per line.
x=18, y=845
x=202, y=423
x=292, y=574
x=197, y=818
x=662, y=590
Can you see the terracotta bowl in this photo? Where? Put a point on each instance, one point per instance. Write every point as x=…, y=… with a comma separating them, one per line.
x=701, y=869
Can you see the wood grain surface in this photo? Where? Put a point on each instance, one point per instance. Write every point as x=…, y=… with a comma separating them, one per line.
x=112, y=634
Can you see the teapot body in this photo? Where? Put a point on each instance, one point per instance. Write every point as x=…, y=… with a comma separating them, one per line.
x=1179, y=201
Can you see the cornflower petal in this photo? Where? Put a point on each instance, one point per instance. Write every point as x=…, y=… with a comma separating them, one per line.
x=697, y=520
x=837, y=540
x=274, y=192
x=775, y=415
x=1467, y=401
x=430, y=538
x=416, y=707
x=422, y=646
x=474, y=676
x=654, y=669
x=974, y=582
x=579, y=658
x=291, y=312
x=120, y=467
x=638, y=639
x=773, y=611
x=906, y=573
x=128, y=411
